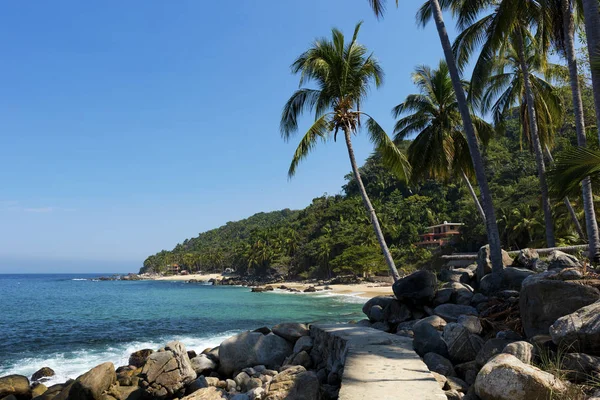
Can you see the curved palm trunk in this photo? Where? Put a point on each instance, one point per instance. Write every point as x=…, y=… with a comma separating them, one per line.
x=488, y=205
x=591, y=13
x=474, y=195
x=537, y=147
x=370, y=210
x=586, y=186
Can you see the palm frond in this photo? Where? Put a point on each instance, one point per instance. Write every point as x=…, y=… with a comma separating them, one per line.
x=391, y=156
x=319, y=130
x=571, y=167
x=301, y=100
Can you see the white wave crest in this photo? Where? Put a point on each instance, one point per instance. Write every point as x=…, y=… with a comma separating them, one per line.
x=69, y=365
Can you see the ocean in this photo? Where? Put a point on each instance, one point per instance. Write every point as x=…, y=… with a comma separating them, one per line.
x=72, y=323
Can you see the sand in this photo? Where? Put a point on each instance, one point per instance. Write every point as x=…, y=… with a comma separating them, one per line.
x=366, y=290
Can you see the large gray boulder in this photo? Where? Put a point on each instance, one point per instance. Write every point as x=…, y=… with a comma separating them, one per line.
x=92, y=384
x=252, y=348
x=396, y=312
x=463, y=346
x=579, y=330
x=460, y=275
x=295, y=383
x=527, y=258
x=203, y=364
x=544, y=299
x=381, y=301
x=484, y=264
x=16, y=385
x=451, y=312
x=581, y=367
x=138, y=358
x=291, y=331
x=428, y=340
x=208, y=393
x=167, y=371
x=559, y=260
x=439, y=364
x=505, y=377
x=417, y=288
x=42, y=373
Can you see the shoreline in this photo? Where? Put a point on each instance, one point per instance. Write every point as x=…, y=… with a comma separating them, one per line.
x=362, y=290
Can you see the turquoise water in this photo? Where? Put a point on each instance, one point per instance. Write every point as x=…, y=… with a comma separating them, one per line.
x=71, y=323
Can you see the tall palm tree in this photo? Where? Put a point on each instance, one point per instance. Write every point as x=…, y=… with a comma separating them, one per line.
x=440, y=149
x=432, y=9
x=566, y=8
x=343, y=73
x=591, y=12
x=508, y=22
x=504, y=88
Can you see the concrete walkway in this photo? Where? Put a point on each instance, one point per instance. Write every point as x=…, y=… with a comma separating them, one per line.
x=377, y=365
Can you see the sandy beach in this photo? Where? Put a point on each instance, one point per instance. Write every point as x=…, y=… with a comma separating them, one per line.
x=366, y=290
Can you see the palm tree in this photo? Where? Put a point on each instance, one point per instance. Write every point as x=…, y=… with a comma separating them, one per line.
x=568, y=41
x=508, y=23
x=504, y=88
x=440, y=149
x=591, y=12
x=343, y=73
x=432, y=9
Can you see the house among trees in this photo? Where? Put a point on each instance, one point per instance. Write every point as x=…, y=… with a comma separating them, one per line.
x=173, y=269
x=439, y=235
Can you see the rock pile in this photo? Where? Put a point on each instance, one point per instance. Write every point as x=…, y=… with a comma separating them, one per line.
x=484, y=342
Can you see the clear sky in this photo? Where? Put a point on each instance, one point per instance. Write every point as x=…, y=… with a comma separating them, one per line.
x=126, y=127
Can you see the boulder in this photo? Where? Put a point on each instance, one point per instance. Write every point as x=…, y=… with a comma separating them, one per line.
x=305, y=343
x=443, y=296
x=513, y=277
x=579, y=330
x=138, y=358
x=197, y=384
x=428, y=340
x=203, y=364
x=38, y=389
x=542, y=301
x=167, y=371
x=457, y=384
x=291, y=331
x=376, y=314
x=437, y=322
x=54, y=390
x=506, y=378
x=295, y=383
x=209, y=393
x=381, y=301
x=490, y=349
x=559, y=260
x=302, y=358
x=417, y=288
x=471, y=322
x=41, y=373
x=451, y=312
x=252, y=348
x=439, y=364
x=396, y=312
x=463, y=346
x=526, y=259
x=16, y=385
x=92, y=384
x=524, y=351
x=484, y=264
x=460, y=275
x=581, y=367
x=467, y=371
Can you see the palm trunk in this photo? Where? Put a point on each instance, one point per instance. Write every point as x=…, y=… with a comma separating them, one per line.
x=370, y=210
x=591, y=12
x=588, y=200
x=535, y=138
x=473, y=194
x=488, y=205
x=567, y=202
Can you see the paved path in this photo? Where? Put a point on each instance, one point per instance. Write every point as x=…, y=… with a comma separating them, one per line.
x=380, y=366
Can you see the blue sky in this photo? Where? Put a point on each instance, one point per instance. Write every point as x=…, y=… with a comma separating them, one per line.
x=127, y=127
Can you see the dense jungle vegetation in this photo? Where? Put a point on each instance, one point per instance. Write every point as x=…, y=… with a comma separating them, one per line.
x=333, y=235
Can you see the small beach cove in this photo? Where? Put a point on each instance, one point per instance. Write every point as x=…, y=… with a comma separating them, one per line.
x=81, y=321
